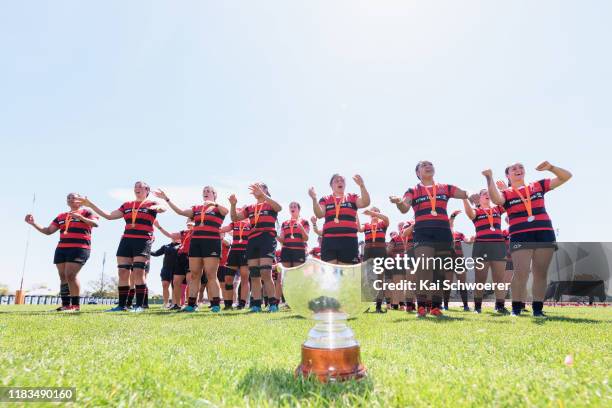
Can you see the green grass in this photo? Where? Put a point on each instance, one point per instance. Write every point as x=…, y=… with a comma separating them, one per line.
x=167, y=359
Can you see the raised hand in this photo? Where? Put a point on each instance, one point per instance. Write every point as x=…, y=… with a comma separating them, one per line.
x=358, y=180
x=232, y=199
x=77, y=215
x=312, y=193
x=29, y=219
x=257, y=190
x=544, y=166
x=313, y=219
x=395, y=199
x=161, y=194
x=488, y=173
x=500, y=185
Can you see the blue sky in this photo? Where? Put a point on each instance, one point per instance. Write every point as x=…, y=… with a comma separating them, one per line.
x=185, y=94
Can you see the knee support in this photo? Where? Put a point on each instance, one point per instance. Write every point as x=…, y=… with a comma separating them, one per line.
x=139, y=265
x=229, y=286
x=254, y=271
x=125, y=266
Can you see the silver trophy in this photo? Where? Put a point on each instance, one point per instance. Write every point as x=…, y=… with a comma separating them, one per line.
x=329, y=294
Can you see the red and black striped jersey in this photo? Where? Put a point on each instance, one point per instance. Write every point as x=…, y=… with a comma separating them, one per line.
x=347, y=216
x=74, y=233
x=207, y=222
x=396, y=245
x=240, y=234
x=375, y=232
x=483, y=224
x=292, y=235
x=225, y=248
x=421, y=203
x=139, y=219
x=316, y=252
x=185, y=241
x=262, y=217
x=517, y=212
x=458, y=238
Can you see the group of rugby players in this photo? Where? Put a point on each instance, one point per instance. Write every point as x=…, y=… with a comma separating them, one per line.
x=200, y=259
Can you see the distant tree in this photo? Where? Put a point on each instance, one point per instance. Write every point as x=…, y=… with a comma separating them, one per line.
x=106, y=287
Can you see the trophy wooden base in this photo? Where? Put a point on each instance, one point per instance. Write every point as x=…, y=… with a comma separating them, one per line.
x=331, y=364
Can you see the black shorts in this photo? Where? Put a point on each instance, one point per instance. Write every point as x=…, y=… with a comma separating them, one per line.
x=489, y=251
x=133, y=247
x=370, y=252
x=342, y=249
x=295, y=256
x=205, y=248
x=182, y=265
x=262, y=246
x=441, y=239
x=236, y=259
x=166, y=274
x=533, y=240
x=74, y=255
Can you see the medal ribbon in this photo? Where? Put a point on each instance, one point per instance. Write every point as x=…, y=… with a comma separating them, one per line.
x=374, y=227
x=67, y=223
x=203, y=213
x=337, y=205
x=432, y=197
x=135, y=211
x=489, y=216
x=257, y=213
x=526, y=200
x=241, y=226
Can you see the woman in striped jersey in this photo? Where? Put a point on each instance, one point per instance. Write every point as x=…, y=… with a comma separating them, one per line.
x=73, y=248
x=532, y=238
x=340, y=245
x=135, y=246
x=489, y=245
x=204, y=247
x=262, y=242
x=293, y=238
x=457, y=252
x=375, y=246
x=432, y=233
x=237, y=259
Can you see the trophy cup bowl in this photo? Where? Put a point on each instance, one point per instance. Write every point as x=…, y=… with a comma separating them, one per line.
x=328, y=294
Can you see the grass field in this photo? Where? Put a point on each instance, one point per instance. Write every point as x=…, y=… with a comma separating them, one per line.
x=161, y=358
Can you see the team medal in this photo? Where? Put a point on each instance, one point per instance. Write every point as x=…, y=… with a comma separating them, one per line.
x=257, y=213
x=526, y=201
x=337, y=205
x=432, y=199
x=67, y=223
x=490, y=218
x=240, y=228
x=135, y=213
